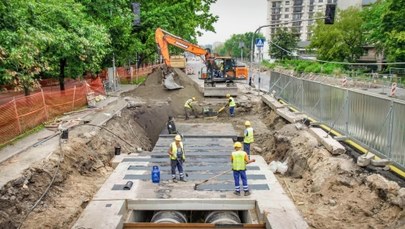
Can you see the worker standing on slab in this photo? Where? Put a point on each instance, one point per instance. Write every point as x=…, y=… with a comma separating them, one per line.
x=239, y=159
x=248, y=137
x=188, y=106
x=171, y=126
x=231, y=103
x=177, y=158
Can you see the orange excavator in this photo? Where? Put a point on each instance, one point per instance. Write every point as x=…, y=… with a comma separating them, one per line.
x=214, y=74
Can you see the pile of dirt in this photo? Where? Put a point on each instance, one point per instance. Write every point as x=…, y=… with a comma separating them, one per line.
x=81, y=167
x=152, y=90
x=331, y=191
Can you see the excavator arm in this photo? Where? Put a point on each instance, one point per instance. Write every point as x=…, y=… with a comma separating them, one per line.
x=164, y=38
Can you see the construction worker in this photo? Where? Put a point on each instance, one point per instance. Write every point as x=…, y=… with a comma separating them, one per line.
x=231, y=103
x=171, y=127
x=188, y=106
x=177, y=158
x=248, y=137
x=239, y=160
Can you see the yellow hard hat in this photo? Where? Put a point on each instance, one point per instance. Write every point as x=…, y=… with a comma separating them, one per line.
x=237, y=145
x=177, y=138
x=228, y=95
x=247, y=123
x=193, y=98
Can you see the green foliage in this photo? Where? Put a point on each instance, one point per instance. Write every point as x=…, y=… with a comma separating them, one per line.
x=268, y=65
x=308, y=66
x=342, y=41
x=282, y=43
x=231, y=46
x=57, y=38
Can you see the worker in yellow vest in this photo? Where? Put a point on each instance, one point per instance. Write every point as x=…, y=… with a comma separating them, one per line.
x=248, y=137
x=188, y=106
x=231, y=103
x=177, y=158
x=239, y=160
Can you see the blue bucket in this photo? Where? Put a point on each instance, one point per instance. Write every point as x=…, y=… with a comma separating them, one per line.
x=155, y=174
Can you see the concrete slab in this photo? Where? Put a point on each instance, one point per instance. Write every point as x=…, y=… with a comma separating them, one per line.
x=268, y=198
x=290, y=116
x=102, y=214
x=333, y=146
x=272, y=102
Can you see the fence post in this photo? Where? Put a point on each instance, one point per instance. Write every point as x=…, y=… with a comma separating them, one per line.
x=16, y=115
x=74, y=97
x=390, y=131
x=45, y=107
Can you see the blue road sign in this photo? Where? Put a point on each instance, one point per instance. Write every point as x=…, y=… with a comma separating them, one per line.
x=259, y=42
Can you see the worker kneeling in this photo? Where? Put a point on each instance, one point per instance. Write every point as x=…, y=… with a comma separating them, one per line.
x=188, y=106
x=239, y=160
x=177, y=158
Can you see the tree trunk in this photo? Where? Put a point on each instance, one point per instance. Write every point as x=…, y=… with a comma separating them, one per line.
x=26, y=90
x=62, y=65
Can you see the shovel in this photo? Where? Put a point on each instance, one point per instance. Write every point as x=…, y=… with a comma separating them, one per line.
x=211, y=178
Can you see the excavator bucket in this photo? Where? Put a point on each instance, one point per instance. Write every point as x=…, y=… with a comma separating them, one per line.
x=169, y=82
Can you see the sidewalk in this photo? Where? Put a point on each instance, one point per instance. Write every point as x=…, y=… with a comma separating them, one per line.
x=15, y=158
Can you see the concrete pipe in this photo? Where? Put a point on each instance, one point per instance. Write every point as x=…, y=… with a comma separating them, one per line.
x=169, y=217
x=222, y=217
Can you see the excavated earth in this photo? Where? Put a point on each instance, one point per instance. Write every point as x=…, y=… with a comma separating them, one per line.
x=330, y=191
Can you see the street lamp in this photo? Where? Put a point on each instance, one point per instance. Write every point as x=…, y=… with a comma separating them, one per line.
x=252, y=47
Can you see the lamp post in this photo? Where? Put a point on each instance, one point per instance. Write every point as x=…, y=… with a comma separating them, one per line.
x=252, y=47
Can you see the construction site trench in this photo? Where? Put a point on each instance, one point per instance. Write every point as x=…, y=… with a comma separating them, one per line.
x=329, y=191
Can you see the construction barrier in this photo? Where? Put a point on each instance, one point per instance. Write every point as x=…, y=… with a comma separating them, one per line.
x=393, y=89
x=23, y=113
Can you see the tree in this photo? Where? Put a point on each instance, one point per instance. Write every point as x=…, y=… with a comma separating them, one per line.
x=385, y=28
x=342, y=41
x=49, y=38
x=283, y=43
x=183, y=18
x=231, y=46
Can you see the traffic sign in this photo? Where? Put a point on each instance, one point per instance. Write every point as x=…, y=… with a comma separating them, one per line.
x=259, y=42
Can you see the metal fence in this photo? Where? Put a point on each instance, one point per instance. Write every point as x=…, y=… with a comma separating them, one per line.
x=374, y=121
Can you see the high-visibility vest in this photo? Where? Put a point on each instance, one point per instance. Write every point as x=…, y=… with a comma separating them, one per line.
x=232, y=102
x=173, y=148
x=249, y=136
x=238, y=160
x=188, y=103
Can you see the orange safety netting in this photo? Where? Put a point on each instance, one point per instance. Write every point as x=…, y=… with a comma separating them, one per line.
x=24, y=113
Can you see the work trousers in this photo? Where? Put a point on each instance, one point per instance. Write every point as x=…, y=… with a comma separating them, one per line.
x=232, y=111
x=246, y=148
x=177, y=163
x=240, y=174
x=189, y=110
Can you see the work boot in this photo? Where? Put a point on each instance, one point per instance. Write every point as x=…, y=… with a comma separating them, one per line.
x=236, y=193
x=182, y=179
x=174, y=180
x=247, y=193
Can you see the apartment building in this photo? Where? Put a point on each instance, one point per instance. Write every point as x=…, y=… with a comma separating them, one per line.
x=284, y=12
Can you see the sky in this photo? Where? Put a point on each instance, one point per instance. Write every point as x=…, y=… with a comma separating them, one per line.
x=235, y=17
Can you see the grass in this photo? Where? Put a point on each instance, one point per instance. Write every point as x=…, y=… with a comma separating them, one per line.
x=138, y=81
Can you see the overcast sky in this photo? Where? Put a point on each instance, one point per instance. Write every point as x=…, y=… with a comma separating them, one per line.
x=235, y=17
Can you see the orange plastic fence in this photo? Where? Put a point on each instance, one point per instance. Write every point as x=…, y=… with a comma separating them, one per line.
x=24, y=113
x=21, y=113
